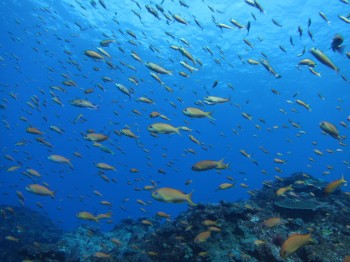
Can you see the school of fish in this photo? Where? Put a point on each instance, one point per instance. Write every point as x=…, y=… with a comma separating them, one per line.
x=157, y=113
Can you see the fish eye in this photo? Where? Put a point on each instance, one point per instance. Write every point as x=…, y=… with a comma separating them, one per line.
x=150, y=126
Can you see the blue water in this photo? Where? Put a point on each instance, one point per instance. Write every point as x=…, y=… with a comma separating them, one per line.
x=34, y=36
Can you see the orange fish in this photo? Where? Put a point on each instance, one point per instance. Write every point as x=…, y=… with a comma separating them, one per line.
x=209, y=164
x=87, y=216
x=202, y=237
x=283, y=190
x=170, y=195
x=331, y=187
x=272, y=222
x=60, y=159
x=293, y=243
x=40, y=190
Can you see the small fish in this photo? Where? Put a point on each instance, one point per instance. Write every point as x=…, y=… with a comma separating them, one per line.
x=87, y=216
x=293, y=243
x=83, y=103
x=269, y=68
x=307, y=62
x=162, y=128
x=330, y=129
x=209, y=164
x=302, y=103
x=324, y=17
x=300, y=31
x=196, y=113
x=93, y=54
x=331, y=187
x=320, y=56
x=96, y=137
x=40, y=190
x=158, y=69
x=283, y=190
x=170, y=195
x=272, y=222
x=60, y=159
x=202, y=237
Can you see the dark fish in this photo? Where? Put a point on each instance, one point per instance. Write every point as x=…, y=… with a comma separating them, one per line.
x=160, y=8
x=300, y=31
x=102, y=3
x=215, y=83
x=197, y=23
x=258, y=6
x=291, y=41
x=309, y=23
x=276, y=23
x=336, y=43
x=253, y=16
x=93, y=3
x=248, y=27
x=152, y=11
x=182, y=3
x=282, y=48
x=310, y=35
x=138, y=5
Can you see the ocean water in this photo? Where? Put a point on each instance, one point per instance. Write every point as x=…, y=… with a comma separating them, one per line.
x=42, y=45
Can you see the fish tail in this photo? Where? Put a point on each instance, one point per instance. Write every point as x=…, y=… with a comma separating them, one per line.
x=189, y=199
x=343, y=179
x=53, y=195
x=177, y=130
x=222, y=165
x=70, y=165
x=341, y=49
x=209, y=115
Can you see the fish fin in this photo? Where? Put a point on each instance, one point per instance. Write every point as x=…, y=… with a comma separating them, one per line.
x=70, y=165
x=177, y=129
x=343, y=179
x=341, y=49
x=53, y=195
x=209, y=115
x=189, y=199
x=222, y=165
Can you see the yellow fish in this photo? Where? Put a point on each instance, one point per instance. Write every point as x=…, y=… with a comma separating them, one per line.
x=170, y=195
x=162, y=128
x=196, y=113
x=60, y=159
x=209, y=164
x=40, y=190
x=293, y=243
x=331, y=187
x=87, y=216
x=283, y=190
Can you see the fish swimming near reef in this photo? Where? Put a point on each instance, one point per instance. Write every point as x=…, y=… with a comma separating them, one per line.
x=293, y=243
x=331, y=187
x=170, y=195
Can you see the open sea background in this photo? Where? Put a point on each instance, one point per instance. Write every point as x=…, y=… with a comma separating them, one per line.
x=41, y=42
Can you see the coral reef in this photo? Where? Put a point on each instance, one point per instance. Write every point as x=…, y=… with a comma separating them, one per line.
x=251, y=230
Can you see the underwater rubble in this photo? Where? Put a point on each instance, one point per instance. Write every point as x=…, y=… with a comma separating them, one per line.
x=27, y=234
x=251, y=230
